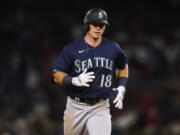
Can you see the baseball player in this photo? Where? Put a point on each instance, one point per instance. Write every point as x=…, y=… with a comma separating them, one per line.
x=85, y=68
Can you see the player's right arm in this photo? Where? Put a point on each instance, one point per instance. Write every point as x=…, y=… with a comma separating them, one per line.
x=58, y=77
x=82, y=80
x=62, y=66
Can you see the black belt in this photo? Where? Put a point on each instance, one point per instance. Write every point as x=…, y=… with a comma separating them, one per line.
x=89, y=101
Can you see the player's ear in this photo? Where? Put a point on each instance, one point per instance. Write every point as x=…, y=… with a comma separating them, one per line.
x=85, y=28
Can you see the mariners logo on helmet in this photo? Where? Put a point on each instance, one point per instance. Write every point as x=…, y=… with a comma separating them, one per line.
x=100, y=15
x=96, y=15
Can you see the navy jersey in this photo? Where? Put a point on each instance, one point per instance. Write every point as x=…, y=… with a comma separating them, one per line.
x=102, y=60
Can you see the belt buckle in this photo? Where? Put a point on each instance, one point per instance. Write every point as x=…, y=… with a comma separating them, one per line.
x=92, y=102
x=101, y=99
x=86, y=101
x=77, y=99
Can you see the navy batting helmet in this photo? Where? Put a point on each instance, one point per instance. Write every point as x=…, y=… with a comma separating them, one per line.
x=96, y=15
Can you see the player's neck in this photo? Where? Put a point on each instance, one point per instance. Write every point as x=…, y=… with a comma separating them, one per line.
x=92, y=41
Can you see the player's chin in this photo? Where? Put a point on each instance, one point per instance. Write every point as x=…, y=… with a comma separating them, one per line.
x=97, y=35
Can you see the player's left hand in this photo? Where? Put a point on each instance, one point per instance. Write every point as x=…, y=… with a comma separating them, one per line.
x=119, y=97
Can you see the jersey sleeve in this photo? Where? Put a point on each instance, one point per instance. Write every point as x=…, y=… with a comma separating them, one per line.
x=63, y=61
x=121, y=59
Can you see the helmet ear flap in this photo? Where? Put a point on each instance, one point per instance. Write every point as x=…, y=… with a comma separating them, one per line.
x=85, y=28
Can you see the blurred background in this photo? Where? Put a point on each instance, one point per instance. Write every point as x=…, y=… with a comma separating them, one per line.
x=32, y=34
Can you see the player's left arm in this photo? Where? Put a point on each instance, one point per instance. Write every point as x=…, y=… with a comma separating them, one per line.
x=122, y=72
x=122, y=78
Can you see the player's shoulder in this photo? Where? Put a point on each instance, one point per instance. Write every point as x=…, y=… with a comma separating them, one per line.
x=111, y=43
x=106, y=40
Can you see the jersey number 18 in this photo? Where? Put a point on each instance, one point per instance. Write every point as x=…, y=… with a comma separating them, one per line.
x=106, y=80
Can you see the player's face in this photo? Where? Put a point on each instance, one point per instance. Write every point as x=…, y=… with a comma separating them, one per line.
x=96, y=30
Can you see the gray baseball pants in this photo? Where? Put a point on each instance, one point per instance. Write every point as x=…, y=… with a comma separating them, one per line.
x=83, y=119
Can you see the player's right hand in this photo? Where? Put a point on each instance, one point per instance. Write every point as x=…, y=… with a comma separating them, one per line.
x=83, y=79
